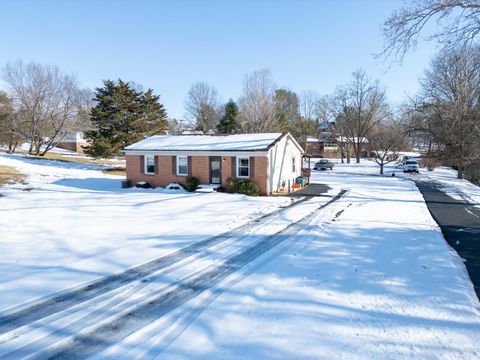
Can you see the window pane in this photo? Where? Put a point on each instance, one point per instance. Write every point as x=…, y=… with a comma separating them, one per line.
x=243, y=162
x=182, y=161
x=150, y=164
x=243, y=171
x=182, y=165
x=243, y=167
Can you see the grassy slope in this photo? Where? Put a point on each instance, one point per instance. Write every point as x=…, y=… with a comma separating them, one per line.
x=9, y=175
x=117, y=170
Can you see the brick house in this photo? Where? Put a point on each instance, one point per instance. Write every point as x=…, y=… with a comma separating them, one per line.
x=271, y=160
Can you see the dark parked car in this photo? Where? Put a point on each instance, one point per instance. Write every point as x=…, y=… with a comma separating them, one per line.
x=323, y=165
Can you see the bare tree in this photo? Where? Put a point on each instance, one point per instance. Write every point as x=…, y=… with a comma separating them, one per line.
x=358, y=107
x=387, y=141
x=331, y=112
x=203, y=106
x=9, y=134
x=458, y=20
x=309, y=105
x=447, y=110
x=47, y=102
x=257, y=104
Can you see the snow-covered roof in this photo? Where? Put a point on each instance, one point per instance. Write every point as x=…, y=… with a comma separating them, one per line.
x=238, y=142
x=351, y=139
x=312, y=139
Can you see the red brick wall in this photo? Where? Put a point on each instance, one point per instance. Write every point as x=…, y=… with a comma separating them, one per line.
x=165, y=173
x=200, y=168
x=260, y=172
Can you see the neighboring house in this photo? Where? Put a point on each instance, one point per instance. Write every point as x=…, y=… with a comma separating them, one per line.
x=313, y=146
x=271, y=160
x=74, y=142
x=329, y=146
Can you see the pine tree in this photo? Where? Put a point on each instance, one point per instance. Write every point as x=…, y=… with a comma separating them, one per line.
x=228, y=123
x=122, y=116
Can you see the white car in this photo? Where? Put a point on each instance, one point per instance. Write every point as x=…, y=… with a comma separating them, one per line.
x=410, y=166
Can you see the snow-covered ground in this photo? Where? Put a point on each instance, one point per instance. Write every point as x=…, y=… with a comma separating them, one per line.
x=77, y=224
x=376, y=282
x=368, y=277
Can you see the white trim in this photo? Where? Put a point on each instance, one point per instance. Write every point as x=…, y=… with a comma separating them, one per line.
x=178, y=165
x=238, y=162
x=145, y=164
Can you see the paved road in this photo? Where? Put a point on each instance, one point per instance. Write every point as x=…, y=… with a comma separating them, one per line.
x=460, y=224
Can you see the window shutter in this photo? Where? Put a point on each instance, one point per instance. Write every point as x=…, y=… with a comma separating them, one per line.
x=251, y=161
x=156, y=164
x=210, y=169
x=142, y=164
x=189, y=163
x=234, y=167
x=174, y=165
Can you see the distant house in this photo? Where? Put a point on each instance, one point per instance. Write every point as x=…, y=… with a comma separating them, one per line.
x=271, y=160
x=329, y=146
x=73, y=142
x=313, y=146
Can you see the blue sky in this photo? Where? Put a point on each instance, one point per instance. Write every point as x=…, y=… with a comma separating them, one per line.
x=168, y=45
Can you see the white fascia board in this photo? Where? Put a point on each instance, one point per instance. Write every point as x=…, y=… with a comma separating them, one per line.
x=196, y=153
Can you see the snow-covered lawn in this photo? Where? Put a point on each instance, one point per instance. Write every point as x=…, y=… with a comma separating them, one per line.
x=77, y=224
x=370, y=277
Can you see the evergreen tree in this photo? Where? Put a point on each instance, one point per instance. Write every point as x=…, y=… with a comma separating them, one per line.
x=122, y=116
x=228, y=123
x=287, y=108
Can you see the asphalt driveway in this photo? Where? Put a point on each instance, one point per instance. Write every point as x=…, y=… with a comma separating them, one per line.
x=312, y=190
x=460, y=224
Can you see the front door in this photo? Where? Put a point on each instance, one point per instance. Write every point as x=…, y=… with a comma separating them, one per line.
x=215, y=170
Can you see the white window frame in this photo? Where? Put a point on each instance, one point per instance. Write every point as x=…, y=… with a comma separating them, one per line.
x=178, y=165
x=294, y=164
x=145, y=165
x=238, y=166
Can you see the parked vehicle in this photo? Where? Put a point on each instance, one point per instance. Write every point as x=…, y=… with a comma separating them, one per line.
x=323, y=165
x=410, y=166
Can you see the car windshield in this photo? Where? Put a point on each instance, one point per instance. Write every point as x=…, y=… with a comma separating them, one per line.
x=411, y=163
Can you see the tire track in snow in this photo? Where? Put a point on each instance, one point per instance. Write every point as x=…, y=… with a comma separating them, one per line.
x=64, y=300
x=92, y=342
